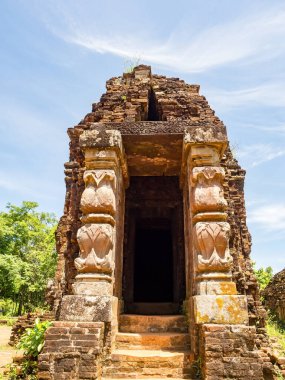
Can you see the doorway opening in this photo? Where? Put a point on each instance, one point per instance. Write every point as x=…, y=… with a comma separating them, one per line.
x=153, y=262
x=153, y=267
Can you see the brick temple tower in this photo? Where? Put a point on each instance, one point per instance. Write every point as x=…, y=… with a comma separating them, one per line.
x=154, y=277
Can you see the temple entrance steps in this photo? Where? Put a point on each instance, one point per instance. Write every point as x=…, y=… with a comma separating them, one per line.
x=133, y=323
x=149, y=346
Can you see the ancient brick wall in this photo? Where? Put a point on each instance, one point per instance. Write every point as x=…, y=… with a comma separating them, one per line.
x=274, y=295
x=229, y=352
x=73, y=350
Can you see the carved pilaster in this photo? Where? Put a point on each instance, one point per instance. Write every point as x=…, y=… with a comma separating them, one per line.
x=103, y=177
x=214, y=293
x=100, y=237
x=210, y=232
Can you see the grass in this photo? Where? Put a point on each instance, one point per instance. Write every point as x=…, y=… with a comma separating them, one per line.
x=276, y=329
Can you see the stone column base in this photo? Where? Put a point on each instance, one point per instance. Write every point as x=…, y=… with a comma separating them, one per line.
x=88, y=308
x=221, y=309
x=91, y=284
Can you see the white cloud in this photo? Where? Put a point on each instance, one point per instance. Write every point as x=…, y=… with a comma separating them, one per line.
x=257, y=154
x=269, y=95
x=270, y=217
x=258, y=36
x=273, y=127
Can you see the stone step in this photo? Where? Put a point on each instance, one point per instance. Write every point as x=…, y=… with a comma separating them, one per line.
x=153, y=341
x=154, y=375
x=148, y=372
x=151, y=358
x=140, y=378
x=134, y=323
x=153, y=308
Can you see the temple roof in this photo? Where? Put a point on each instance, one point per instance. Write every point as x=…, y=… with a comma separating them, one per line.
x=153, y=113
x=142, y=96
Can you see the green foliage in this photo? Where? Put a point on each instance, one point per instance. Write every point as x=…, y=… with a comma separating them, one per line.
x=197, y=366
x=27, y=256
x=263, y=276
x=26, y=370
x=280, y=376
x=276, y=328
x=32, y=341
x=7, y=320
x=6, y=307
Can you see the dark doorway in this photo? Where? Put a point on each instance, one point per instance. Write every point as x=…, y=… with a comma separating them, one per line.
x=153, y=267
x=154, y=262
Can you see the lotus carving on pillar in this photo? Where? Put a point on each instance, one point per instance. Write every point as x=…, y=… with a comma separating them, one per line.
x=212, y=246
x=208, y=192
x=98, y=196
x=96, y=244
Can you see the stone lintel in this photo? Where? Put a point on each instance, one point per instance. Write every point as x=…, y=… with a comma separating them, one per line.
x=151, y=148
x=220, y=309
x=84, y=308
x=173, y=127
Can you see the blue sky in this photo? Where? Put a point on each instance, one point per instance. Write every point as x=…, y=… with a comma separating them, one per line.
x=56, y=56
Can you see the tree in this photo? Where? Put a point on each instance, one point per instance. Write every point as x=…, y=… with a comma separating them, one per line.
x=27, y=254
x=263, y=276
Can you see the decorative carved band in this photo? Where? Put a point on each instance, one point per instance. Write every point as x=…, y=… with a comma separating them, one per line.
x=211, y=241
x=96, y=244
x=98, y=218
x=205, y=175
x=98, y=195
x=210, y=216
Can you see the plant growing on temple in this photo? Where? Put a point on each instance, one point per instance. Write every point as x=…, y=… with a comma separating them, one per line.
x=32, y=342
x=130, y=64
x=197, y=366
x=27, y=256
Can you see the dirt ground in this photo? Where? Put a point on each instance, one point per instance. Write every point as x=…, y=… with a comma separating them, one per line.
x=6, y=351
